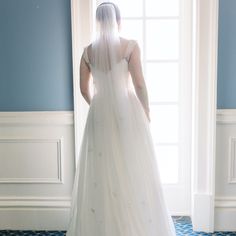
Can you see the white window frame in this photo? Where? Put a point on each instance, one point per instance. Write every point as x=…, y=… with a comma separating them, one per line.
x=82, y=28
x=204, y=105
x=181, y=203
x=204, y=114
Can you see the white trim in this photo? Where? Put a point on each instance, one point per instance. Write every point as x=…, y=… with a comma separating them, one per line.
x=225, y=202
x=81, y=27
x=226, y=116
x=58, y=180
x=204, y=138
x=75, y=66
x=225, y=213
x=51, y=118
x=34, y=213
x=232, y=160
x=204, y=218
x=36, y=138
x=35, y=202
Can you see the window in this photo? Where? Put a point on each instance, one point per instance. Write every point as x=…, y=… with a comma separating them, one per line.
x=177, y=176
x=156, y=26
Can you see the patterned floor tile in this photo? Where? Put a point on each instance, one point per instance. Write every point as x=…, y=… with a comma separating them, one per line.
x=183, y=227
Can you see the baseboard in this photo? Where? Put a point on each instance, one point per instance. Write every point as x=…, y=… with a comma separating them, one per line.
x=34, y=213
x=202, y=217
x=225, y=214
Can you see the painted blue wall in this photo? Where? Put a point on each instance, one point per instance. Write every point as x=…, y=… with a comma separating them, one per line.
x=226, y=84
x=35, y=55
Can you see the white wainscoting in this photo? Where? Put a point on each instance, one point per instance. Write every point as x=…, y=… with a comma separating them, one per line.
x=225, y=197
x=37, y=166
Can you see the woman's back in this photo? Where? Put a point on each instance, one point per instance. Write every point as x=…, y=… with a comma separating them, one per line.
x=117, y=77
x=125, y=49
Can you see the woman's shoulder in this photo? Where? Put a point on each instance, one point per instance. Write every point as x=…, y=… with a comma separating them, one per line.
x=128, y=41
x=88, y=47
x=129, y=45
x=87, y=52
x=123, y=40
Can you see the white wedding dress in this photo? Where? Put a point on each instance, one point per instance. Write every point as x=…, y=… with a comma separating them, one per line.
x=117, y=189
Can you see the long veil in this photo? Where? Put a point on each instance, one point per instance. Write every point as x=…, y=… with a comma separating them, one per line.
x=106, y=47
x=105, y=57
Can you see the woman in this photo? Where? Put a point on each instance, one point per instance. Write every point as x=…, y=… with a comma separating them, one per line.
x=117, y=189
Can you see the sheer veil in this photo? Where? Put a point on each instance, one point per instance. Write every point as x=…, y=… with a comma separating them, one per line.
x=106, y=47
x=106, y=56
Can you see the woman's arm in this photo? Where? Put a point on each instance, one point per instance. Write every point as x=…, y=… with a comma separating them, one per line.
x=135, y=68
x=84, y=80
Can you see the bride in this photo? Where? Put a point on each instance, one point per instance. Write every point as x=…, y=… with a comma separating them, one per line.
x=117, y=189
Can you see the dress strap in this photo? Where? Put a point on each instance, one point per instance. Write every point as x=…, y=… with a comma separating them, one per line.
x=85, y=55
x=129, y=48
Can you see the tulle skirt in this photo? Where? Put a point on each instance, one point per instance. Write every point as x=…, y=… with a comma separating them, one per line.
x=117, y=189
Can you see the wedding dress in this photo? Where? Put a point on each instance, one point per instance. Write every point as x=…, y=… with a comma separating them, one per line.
x=117, y=189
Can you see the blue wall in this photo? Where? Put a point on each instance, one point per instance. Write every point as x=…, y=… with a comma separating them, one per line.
x=35, y=55
x=226, y=94
x=36, y=63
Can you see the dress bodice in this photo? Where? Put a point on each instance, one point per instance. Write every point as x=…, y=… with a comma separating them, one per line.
x=117, y=79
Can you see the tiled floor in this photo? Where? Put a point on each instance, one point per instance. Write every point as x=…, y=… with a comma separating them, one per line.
x=183, y=227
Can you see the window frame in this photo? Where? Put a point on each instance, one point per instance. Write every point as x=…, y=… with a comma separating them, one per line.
x=204, y=112
x=180, y=104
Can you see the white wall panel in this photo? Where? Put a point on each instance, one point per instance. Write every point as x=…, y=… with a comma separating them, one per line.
x=37, y=167
x=31, y=160
x=225, y=176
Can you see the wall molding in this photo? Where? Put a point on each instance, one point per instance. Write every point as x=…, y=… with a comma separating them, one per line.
x=232, y=161
x=205, y=27
x=27, y=141
x=225, y=199
x=225, y=213
x=204, y=203
x=34, y=213
x=10, y=202
x=225, y=202
x=81, y=30
x=35, y=118
x=226, y=116
x=37, y=169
